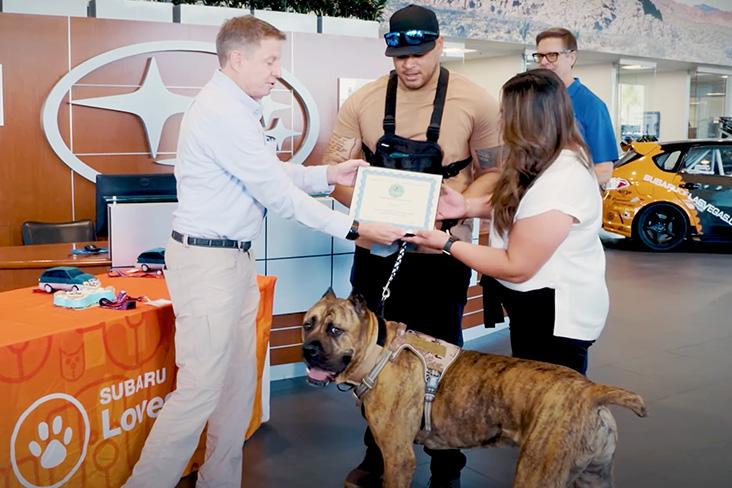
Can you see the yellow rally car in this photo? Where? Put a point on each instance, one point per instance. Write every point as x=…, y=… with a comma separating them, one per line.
x=663, y=193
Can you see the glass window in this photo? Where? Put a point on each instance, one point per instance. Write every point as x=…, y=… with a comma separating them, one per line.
x=725, y=155
x=699, y=161
x=708, y=102
x=637, y=112
x=667, y=161
x=726, y=124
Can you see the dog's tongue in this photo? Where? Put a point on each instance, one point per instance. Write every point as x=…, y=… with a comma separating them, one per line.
x=319, y=374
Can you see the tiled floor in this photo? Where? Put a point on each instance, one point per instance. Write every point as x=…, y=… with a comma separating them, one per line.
x=668, y=337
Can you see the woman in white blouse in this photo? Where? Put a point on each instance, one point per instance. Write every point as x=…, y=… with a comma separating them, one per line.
x=546, y=212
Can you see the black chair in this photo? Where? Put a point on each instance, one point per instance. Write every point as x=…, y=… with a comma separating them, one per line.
x=55, y=232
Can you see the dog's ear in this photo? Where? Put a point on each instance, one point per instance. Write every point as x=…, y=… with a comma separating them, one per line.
x=329, y=293
x=359, y=303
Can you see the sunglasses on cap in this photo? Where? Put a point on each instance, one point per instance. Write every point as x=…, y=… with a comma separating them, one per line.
x=409, y=38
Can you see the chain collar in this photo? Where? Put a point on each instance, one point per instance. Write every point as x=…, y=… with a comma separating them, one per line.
x=386, y=292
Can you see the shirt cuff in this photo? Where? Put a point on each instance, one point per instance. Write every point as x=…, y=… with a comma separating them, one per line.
x=318, y=179
x=339, y=226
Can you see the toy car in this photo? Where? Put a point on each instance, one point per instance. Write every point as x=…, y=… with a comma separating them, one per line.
x=65, y=278
x=663, y=193
x=154, y=259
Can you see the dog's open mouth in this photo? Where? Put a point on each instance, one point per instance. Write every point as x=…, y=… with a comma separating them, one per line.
x=320, y=377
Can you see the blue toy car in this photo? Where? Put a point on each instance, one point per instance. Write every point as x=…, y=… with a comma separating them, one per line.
x=65, y=278
x=154, y=259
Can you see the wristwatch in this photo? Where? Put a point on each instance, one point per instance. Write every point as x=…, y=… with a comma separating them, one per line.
x=450, y=241
x=353, y=231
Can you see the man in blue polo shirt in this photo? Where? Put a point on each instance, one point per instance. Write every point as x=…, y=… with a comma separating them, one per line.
x=556, y=50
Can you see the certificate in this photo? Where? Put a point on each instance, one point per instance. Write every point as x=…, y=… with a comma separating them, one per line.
x=403, y=198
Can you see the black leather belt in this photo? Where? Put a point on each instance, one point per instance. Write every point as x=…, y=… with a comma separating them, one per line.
x=203, y=242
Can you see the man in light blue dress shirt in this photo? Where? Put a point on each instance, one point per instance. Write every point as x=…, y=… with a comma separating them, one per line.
x=227, y=176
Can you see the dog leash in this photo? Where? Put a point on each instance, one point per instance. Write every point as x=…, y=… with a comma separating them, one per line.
x=386, y=292
x=134, y=273
x=122, y=301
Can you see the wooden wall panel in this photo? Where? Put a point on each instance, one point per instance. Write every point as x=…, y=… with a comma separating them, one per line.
x=286, y=337
x=285, y=355
x=474, y=304
x=473, y=319
x=33, y=52
x=287, y=320
x=369, y=63
x=37, y=51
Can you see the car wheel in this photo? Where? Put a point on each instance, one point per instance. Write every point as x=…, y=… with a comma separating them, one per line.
x=145, y=268
x=660, y=227
x=48, y=288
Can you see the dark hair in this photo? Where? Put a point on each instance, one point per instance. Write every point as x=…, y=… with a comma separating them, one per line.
x=537, y=123
x=568, y=39
x=247, y=31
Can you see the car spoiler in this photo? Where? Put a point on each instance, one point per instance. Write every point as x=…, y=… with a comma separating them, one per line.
x=644, y=148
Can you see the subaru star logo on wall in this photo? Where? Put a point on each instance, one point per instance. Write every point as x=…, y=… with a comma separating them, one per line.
x=154, y=103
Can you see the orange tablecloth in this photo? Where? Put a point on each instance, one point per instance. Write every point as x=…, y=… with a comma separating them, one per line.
x=80, y=388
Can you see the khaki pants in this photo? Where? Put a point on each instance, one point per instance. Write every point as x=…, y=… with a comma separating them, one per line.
x=215, y=299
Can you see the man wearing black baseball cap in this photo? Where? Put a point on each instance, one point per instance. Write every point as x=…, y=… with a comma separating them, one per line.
x=420, y=118
x=418, y=21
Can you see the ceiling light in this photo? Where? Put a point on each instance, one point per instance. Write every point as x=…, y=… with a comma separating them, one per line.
x=634, y=67
x=636, y=64
x=713, y=70
x=456, y=50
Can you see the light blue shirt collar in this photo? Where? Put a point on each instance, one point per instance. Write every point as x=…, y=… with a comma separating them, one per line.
x=231, y=88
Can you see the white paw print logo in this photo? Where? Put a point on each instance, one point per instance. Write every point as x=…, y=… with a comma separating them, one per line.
x=54, y=452
x=50, y=441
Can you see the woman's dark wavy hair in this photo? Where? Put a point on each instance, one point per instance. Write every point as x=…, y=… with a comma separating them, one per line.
x=537, y=123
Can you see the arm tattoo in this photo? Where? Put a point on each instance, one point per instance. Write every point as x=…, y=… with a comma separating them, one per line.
x=488, y=158
x=342, y=148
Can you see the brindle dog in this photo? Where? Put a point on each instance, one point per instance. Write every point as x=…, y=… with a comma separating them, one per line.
x=556, y=416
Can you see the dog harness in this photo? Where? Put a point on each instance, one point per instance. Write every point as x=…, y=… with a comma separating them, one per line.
x=436, y=357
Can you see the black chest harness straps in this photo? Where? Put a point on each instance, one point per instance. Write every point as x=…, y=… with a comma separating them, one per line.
x=395, y=152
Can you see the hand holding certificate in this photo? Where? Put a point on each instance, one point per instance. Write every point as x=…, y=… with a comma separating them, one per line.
x=403, y=198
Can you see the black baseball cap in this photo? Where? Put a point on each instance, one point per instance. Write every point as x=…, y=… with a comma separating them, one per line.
x=413, y=18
